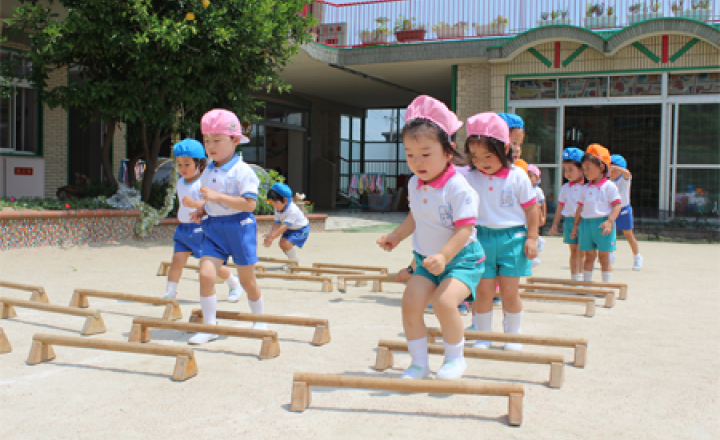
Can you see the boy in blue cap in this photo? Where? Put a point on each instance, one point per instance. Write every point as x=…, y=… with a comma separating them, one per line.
x=517, y=133
x=622, y=179
x=290, y=222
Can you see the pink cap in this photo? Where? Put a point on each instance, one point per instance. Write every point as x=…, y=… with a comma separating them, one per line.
x=426, y=107
x=220, y=121
x=535, y=170
x=488, y=124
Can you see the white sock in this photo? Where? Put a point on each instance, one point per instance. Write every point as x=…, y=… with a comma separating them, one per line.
x=606, y=277
x=233, y=282
x=257, y=307
x=638, y=257
x=419, y=352
x=483, y=321
x=171, y=288
x=587, y=275
x=292, y=255
x=513, y=322
x=454, y=351
x=209, y=309
x=576, y=277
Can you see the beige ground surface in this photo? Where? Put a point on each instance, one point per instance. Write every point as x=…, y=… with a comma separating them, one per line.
x=652, y=370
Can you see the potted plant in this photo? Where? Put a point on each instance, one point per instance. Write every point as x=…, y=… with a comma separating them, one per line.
x=700, y=10
x=636, y=15
x=594, y=18
x=407, y=29
x=445, y=30
x=496, y=27
x=557, y=17
x=381, y=35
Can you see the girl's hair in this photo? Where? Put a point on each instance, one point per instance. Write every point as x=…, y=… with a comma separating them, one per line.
x=592, y=159
x=494, y=146
x=425, y=127
x=573, y=162
x=275, y=197
x=200, y=164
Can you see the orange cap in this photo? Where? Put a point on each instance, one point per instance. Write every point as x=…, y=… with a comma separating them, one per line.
x=522, y=164
x=600, y=152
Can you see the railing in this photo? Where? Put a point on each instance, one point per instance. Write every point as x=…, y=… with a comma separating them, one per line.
x=383, y=22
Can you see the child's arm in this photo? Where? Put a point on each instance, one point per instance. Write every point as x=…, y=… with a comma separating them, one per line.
x=607, y=225
x=435, y=264
x=197, y=215
x=626, y=174
x=576, y=222
x=543, y=213
x=192, y=203
x=532, y=218
x=403, y=276
x=278, y=229
x=556, y=220
x=246, y=204
x=391, y=240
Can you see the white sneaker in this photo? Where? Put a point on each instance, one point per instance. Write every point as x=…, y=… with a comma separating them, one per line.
x=169, y=295
x=481, y=344
x=259, y=326
x=541, y=244
x=513, y=346
x=534, y=263
x=286, y=268
x=638, y=263
x=451, y=370
x=234, y=295
x=416, y=372
x=472, y=328
x=612, y=258
x=202, y=338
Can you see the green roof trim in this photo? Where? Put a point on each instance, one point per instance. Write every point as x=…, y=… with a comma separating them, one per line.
x=683, y=49
x=574, y=55
x=647, y=52
x=540, y=57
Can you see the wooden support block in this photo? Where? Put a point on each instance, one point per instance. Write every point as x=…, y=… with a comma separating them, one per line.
x=557, y=374
x=39, y=296
x=172, y=306
x=579, y=344
x=321, y=336
x=590, y=309
x=622, y=287
x=5, y=346
x=139, y=333
x=382, y=270
x=292, y=263
x=38, y=292
x=185, y=366
x=8, y=311
x=302, y=383
x=326, y=281
x=589, y=301
x=377, y=280
x=93, y=323
x=172, y=312
x=163, y=269
x=384, y=359
x=270, y=348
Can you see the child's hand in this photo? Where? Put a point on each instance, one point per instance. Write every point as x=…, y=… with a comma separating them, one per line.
x=268, y=241
x=553, y=230
x=531, y=248
x=190, y=202
x=209, y=195
x=574, y=233
x=435, y=264
x=606, y=227
x=403, y=276
x=388, y=241
x=197, y=216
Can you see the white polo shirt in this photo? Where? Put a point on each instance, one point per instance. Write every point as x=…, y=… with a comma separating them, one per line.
x=569, y=196
x=235, y=178
x=598, y=199
x=503, y=197
x=191, y=190
x=539, y=194
x=291, y=216
x=623, y=185
x=439, y=207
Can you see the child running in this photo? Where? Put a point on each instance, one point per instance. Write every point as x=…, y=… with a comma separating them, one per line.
x=230, y=191
x=622, y=179
x=598, y=208
x=567, y=206
x=442, y=215
x=517, y=133
x=290, y=223
x=188, y=238
x=507, y=205
x=534, y=175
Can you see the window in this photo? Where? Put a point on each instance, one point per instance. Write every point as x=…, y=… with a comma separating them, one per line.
x=694, y=83
x=635, y=85
x=583, y=87
x=19, y=121
x=530, y=89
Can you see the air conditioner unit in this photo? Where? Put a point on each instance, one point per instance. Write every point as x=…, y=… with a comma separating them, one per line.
x=334, y=34
x=24, y=176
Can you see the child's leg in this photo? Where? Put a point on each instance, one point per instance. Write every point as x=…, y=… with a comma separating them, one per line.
x=576, y=261
x=179, y=260
x=606, y=266
x=630, y=237
x=289, y=250
x=255, y=299
x=446, y=298
x=417, y=296
x=208, y=300
x=233, y=283
x=589, y=265
x=483, y=308
x=513, y=309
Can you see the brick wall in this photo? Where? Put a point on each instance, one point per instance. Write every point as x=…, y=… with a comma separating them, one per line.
x=473, y=93
x=55, y=138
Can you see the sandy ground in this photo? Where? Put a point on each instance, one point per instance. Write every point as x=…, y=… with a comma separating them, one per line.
x=652, y=373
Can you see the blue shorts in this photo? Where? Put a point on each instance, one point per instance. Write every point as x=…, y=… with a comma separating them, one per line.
x=231, y=236
x=505, y=251
x=625, y=220
x=189, y=238
x=467, y=267
x=567, y=230
x=298, y=237
x=591, y=237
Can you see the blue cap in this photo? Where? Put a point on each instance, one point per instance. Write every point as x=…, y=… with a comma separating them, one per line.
x=618, y=160
x=282, y=189
x=573, y=154
x=189, y=148
x=513, y=121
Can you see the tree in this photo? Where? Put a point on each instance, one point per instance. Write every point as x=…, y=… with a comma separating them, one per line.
x=160, y=64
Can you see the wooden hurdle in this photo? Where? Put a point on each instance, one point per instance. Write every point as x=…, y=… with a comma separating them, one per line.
x=622, y=287
x=382, y=270
x=5, y=346
x=579, y=344
x=326, y=281
x=377, y=281
x=38, y=292
x=324, y=270
x=301, y=393
x=93, y=323
x=385, y=358
x=164, y=269
x=589, y=301
x=322, y=327
x=172, y=306
x=185, y=365
x=292, y=263
x=141, y=333
x=603, y=293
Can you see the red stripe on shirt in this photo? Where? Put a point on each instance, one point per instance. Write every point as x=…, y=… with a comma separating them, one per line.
x=465, y=222
x=529, y=202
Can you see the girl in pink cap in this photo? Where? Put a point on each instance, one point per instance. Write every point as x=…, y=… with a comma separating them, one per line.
x=534, y=175
x=229, y=190
x=448, y=258
x=507, y=204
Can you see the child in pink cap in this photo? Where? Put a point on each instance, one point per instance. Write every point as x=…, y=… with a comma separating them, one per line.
x=448, y=258
x=507, y=204
x=229, y=190
x=534, y=175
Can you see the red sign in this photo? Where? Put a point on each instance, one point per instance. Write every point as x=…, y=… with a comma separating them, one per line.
x=23, y=171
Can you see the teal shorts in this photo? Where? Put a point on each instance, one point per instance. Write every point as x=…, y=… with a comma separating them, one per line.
x=567, y=230
x=591, y=237
x=505, y=252
x=467, y=267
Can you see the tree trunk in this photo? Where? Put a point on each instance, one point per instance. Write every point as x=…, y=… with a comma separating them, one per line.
x=151, y=161
x=105, y=152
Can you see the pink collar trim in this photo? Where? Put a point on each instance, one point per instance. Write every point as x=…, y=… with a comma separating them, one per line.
x=577, y=183
x=503, y=173
x=440, y=181
x=599, y=184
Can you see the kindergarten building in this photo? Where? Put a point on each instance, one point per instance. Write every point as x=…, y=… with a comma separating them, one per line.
x=642, y=79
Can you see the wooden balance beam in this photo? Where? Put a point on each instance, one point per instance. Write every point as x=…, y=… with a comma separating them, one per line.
x=301, y=394
x=164, y=269
x=172, y=306
x=322, y=327
x=185, y=365
x=329, y=271
x=141, y=333
x=604, y=293
x=382, y=270
x=38, y=292
x=292, y=263
x=589, y=301
x=622, y=287
x=385, y=358
x=579, y=344
x=93, y=324
x=5, y=346
x=326, y=281
x=377, y=281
